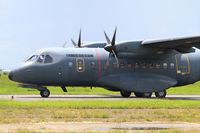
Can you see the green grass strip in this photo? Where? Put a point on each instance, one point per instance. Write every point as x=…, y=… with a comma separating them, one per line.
x=134, y=104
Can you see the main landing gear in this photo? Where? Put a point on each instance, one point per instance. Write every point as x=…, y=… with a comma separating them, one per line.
x=125, y=94
x=143, y=95
x=161, y=94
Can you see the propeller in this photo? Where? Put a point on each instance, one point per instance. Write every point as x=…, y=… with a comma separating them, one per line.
x=107, y=38
x=78, y=45
x=79, y=39
x=73, y=42
x=110, y=44
x=111, y=47
x=64, y=45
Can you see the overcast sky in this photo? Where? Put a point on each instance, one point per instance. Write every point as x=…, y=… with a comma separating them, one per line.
x=29, y=25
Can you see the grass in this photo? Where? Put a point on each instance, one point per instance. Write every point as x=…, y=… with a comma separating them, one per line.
x=100, y=104
x=99, y=111
x=9, y=87
x=103, y=111
x=107, y=111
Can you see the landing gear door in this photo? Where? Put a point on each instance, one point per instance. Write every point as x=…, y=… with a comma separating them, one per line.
x=182, y=65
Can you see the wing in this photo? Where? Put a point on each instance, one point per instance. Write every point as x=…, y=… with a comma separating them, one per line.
x=183, y=45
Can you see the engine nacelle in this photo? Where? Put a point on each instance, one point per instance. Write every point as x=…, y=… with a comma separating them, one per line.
x=135, y=49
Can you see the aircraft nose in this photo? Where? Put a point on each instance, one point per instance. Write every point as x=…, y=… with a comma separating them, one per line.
x=10, y=75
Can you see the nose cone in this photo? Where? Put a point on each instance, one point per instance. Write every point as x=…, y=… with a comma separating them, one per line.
x=20, y=75
x=10, y=75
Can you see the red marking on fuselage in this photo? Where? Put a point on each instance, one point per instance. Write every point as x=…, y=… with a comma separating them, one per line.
x=99, y=63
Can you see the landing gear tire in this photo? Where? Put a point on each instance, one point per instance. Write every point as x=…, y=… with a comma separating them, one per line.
x=125, y=94
x=45, y=93
x=161, y=94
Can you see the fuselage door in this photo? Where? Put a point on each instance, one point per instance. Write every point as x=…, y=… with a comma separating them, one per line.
x=80, y=65
x=182, y=65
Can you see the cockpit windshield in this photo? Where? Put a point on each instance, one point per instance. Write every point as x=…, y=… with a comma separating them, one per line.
x=45, y=59
x=40, y=59
x=48, y=59
x=32, y=58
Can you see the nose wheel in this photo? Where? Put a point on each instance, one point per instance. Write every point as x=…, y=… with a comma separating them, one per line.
x=45, y=93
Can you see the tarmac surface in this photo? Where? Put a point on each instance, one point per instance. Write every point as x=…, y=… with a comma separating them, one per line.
x=89, y=97
x=99, y=127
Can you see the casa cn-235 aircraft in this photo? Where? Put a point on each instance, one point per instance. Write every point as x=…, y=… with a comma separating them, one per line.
x=141, y=67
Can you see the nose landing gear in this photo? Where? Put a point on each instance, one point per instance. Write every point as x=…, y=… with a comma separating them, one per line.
x=44, y=93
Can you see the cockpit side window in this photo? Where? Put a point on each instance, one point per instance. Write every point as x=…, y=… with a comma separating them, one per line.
x=41, y=59
x=32, y=58
x=48, y=59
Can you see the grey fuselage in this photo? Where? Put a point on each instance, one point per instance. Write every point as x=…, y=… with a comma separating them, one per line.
x=97, y=67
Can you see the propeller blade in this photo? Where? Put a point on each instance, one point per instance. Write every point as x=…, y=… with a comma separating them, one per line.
x=117, y=61
x=107, y=38
x=114, y=37
x=111, y=45
x=64, y=45
x=79, y=40
x=73, y=42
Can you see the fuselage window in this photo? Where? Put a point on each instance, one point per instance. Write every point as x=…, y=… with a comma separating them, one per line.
x=93, y=65
x=70, y=64
x=158, y=66
x=150, y=65
x=165, y=65
x=40, y=59
x=172, y=65
x=136, y=65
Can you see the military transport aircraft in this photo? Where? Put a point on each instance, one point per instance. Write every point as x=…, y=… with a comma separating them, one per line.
x=141, y=67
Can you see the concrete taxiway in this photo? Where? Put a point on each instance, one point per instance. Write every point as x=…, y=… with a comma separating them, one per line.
x=99, y=126
x=89, y=97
